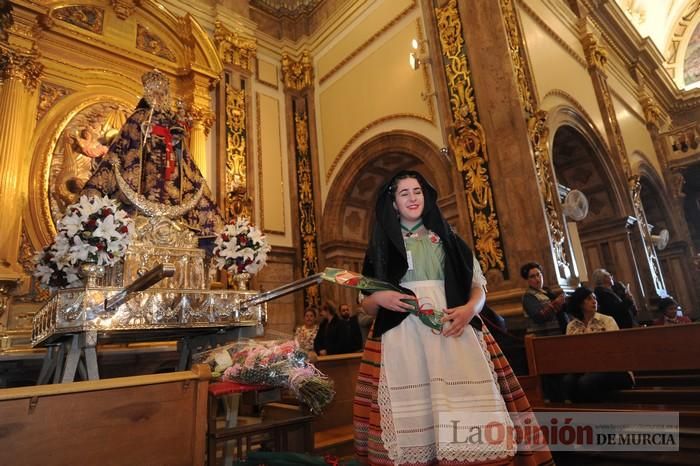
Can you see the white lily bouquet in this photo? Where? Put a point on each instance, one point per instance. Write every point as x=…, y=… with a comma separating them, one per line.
x=241, y=248
x=94, y=230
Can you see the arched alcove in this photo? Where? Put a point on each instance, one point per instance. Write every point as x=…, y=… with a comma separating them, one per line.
x=581, y=161
x=672, y=257
x=348, y=214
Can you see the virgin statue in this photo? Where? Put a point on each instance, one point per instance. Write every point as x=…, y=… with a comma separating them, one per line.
x=149, y=168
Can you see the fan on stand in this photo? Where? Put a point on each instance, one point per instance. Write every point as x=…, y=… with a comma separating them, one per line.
x=575, y=205
x=660, y=240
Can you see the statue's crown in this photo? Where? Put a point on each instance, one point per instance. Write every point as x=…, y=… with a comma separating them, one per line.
x=156, y=88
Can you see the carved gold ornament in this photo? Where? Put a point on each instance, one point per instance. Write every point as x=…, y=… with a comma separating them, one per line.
x=236, y=183
x=24, y=67
x=468, y=142
x=520, y=66
x=204, y=116
x=653, y=114
x=307, y=218
x=596, y=55
x=153, y=44
x=233, y=49
x=90, y=18
x=538, y=133
x=49, y=94
x=297, y=75
x=124, y=8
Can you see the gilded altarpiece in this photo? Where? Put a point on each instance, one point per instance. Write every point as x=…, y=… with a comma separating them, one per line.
x=468, y=142
x=538, y=134
x=87, y=77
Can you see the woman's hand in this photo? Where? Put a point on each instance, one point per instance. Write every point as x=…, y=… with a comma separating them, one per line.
x=391, y=300
x=456, y=319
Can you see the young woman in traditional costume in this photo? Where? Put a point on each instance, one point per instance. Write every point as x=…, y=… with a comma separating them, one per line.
x=411, y=373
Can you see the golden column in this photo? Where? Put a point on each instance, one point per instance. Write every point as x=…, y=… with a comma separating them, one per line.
x=20, y=72
x=194, y=89
x=202, y=119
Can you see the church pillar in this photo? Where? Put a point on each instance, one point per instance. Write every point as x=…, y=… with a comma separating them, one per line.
x=20, y=73
x=298, y=84
x=492, y=149
x=652, y=281
x=561, y=252
x=234, y=185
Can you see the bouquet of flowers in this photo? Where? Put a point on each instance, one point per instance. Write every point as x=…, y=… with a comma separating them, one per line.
x=423, y=310
x=273, y=363
x=241, y=248
x=93, y=230
x=53, y=269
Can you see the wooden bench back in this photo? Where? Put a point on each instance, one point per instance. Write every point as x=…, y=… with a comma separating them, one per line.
x=342, y=369
x=662, y=348
x=143, y=420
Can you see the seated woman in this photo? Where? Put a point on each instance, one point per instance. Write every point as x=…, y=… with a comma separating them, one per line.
x=543, y=308
x=305, y=334
x=583, y=307
x=671, y=313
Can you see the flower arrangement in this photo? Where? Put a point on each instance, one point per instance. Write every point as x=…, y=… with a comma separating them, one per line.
x=241, y=248
x=93, y=230
x=273, y=363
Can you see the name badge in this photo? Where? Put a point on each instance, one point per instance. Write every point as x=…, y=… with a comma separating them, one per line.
x=409, y=259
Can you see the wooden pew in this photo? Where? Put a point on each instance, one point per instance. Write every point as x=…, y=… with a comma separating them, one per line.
x=663, y=348
x=333, y=430
x=648, y=349
x=670, y=353
x=143, y=420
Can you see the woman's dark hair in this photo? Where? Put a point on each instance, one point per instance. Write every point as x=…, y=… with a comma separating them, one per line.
x=403, y=176
x=525, y=269
x=311, y=309
x=665, y=303
x=576, y=300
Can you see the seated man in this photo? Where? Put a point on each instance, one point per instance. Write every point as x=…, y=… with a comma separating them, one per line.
x=671, y=313
x=622, y=309
x=353, y=329
x=543, y=307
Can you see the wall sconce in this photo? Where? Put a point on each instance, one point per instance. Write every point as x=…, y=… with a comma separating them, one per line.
x=415, y=59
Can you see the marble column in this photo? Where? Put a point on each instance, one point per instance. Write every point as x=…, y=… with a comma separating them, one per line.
x=505, y=145
x=20, y=76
